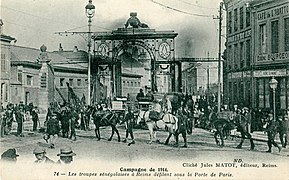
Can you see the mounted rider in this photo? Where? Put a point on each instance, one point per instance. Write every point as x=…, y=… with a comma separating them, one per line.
x=155, y=113
x=166, y=104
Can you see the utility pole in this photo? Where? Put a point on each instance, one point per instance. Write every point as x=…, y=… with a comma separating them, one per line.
x=219, y=55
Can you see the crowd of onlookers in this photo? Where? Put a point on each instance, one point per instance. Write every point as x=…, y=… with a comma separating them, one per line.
x=65, y=156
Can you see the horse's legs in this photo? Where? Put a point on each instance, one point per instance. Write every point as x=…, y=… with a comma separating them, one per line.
x=97, y=133
x=216, y=139
x=168, y=139
x=242, y=140
x=150, y=127
x=251, y=140
x=112, y=133
x=185, y=139
x=118, y=137
x=155, y=137
x=177, y=139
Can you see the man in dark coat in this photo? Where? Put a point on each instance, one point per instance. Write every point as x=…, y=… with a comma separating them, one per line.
x=140, y=95
x=271, y=133
x=73, y=122
x=35, y=118
x=19, y=115
x=129, y=123
x=52, y=129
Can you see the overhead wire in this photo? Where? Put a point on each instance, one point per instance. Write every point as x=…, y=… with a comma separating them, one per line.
x=195, y=5
x=181, y=11
x=48, y=19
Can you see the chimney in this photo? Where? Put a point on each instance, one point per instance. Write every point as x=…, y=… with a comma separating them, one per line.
x=75, y=49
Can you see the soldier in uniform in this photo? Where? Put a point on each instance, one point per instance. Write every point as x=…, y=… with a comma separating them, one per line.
x=73, y=122
x=129, y=123
x=271, y=133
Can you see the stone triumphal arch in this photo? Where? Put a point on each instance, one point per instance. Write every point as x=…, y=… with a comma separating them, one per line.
x=137, y=42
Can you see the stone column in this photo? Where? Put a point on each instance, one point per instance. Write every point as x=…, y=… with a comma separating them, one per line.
x=46, y=81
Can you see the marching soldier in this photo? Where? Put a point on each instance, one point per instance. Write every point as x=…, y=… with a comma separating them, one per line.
x=271, y=132
x=19, y=115
x=129, y=123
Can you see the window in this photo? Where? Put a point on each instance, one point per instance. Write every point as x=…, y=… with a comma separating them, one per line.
x=2, y=90
x=241, y=54
x=29, y=80
x=248, y=17
x=230, y=23
x=241, y=18
x=235, y=19
x=123, y=83
x=286, y=29
x=78, y=82
x=131, y=84
x=248, y=53
x=3, y=62
x=263, y=39
x=236, y=56
x=229, y=59
x=61, y=82
x=274, y=36
x=19, y=76
x=71, y=82
x=139, y=84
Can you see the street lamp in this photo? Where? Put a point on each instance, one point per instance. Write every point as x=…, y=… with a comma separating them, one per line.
x=89, y=10
x=273, y=85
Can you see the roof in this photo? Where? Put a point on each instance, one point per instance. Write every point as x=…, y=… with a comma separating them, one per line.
x=28, y=56
x=6, y=38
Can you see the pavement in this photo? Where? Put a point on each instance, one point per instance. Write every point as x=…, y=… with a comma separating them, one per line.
x=256, y=135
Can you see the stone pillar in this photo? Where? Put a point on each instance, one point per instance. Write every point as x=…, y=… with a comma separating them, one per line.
x=46, y=81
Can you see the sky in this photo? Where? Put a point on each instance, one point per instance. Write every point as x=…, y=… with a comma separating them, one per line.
x=35, y=22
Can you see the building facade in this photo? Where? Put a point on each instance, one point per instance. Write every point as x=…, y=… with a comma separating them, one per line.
x=5, y=67
x=257, y=49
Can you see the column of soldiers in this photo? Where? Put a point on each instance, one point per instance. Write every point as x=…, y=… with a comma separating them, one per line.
x=62, y=120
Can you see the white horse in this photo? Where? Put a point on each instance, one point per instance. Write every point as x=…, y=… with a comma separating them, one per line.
x=168, y=122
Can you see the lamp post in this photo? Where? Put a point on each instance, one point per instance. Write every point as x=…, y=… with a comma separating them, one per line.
x=273, y=85
x=89, y=10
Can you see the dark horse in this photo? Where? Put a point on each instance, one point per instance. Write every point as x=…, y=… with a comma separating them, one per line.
x=226, y=124
x=106, y=118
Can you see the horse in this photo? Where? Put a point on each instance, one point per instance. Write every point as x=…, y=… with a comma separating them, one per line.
x=223, y=124
x=167, y=122
x=182, y=128
x=107, y=118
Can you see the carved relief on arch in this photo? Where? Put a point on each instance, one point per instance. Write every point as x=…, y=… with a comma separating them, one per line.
x=125, y=44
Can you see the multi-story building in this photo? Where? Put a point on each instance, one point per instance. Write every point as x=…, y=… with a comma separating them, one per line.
x=5, y=67
x=257, y=50
x=200, y=78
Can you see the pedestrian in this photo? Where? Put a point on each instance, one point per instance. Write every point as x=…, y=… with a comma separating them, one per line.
x=73, y=122
x=40, y=155
x=65, y=156
x=52, y=130
x=129, y=123
x=35, y=118
x=282, y=129
x=271, y=130
x=140, y=95
x=9, y=155
x=19, y=115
